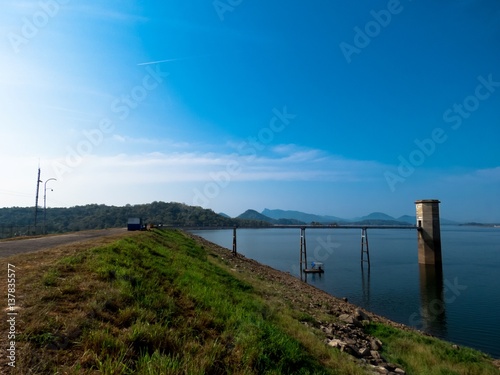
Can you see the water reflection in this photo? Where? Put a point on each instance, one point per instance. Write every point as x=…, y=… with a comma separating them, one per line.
x=432, y=305
x=365, y=286
x=303, y=275
x=397, y=290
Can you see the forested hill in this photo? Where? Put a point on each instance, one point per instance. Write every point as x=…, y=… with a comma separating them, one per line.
x=94, y=216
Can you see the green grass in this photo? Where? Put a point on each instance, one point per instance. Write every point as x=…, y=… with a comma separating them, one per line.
x=154, y=304
x=159, y=303
x=424, y=355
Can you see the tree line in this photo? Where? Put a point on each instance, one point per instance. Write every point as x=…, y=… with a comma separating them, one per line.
x=100, y=216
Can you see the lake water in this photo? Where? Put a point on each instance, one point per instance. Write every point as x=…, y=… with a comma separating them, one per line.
x=461, y=304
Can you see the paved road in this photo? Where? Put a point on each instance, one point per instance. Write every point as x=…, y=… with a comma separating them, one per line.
x=29, y=245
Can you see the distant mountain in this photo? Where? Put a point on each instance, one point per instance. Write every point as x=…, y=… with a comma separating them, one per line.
x=475, y=224
x=224, y=215
x=300, y=216
x=413, y=220
x=254, y=215
x=407, y=219
x=380, y=222
x=377, y=216
x=288, y=222
x=448, y=222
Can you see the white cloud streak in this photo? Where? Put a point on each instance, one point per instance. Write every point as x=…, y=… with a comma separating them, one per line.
x=143, y=177
x=193, y=166
x=98, y=11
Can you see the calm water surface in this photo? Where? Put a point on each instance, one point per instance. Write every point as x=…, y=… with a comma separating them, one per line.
x=461, y=305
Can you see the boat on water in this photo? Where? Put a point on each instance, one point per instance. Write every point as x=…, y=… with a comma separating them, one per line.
x=316, y=267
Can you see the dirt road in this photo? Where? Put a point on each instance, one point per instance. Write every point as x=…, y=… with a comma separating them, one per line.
x=29, y=245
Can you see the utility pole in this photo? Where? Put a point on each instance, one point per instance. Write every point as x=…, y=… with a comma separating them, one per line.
x=37, y=190
x=45, y=204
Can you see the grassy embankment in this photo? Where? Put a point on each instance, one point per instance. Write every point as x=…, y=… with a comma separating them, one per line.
x=159, y=303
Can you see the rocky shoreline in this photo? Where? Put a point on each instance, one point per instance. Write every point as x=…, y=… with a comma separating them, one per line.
x=349, y=337
x=344, y=324
x=341, y=321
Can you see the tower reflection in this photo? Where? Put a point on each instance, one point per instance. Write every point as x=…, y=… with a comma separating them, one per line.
x=432, y=305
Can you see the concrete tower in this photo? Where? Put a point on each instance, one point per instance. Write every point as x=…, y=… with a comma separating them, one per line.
x=429, y=232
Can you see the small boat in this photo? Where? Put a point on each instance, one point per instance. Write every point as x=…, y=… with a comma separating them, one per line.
x=316, y=267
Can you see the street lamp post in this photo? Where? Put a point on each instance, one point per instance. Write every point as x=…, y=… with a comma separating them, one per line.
x=45, y=204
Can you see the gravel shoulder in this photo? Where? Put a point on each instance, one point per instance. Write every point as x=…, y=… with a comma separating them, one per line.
x=18, y=246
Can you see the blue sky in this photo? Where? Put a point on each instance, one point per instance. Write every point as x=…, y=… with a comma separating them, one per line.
x=325, y=107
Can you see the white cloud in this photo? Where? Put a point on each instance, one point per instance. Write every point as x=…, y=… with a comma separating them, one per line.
x=477, y=176
x=155, y=142
x=157, y=168
x=490, y=174
x=143, y=177
x=179, y=166
x=98, y=11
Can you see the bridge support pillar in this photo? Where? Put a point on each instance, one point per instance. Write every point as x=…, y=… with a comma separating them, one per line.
x=303, y=250
x=364, y=247
x=429, y=232
x=235, y=251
